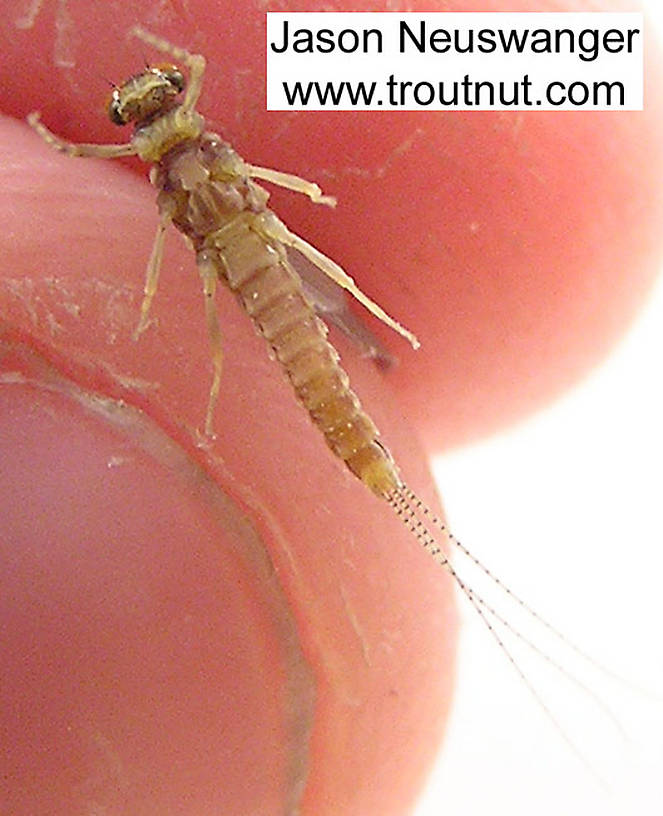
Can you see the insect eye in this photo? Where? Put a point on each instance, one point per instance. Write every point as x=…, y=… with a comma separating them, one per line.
x=115, y=110
x=176, y=78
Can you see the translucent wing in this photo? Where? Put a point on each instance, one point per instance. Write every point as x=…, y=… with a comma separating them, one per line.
x=331, y=304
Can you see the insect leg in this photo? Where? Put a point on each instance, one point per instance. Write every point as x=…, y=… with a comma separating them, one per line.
x=194, y=62
x=271, y=227
x=98, y=151
x=152, y=275
x=290, y=182
x=209, y=272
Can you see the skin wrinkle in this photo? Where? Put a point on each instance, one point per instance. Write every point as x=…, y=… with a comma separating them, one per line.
x=299, y=697
x=334, y=666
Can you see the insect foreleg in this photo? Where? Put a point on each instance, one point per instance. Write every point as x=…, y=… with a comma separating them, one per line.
x=271, y=227
x=290, y=182
x=209, y=273
x=194, y=62
x=152, y=274
x=94, y=151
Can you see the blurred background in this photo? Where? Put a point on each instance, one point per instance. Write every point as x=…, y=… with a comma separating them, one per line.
x=566, y=509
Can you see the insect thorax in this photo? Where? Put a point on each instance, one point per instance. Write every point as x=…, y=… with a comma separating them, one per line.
x=203, y=186
x=154, y=139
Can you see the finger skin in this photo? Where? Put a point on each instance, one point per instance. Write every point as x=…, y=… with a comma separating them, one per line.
x=237, y=627
x=518, y=246
x=498, y=352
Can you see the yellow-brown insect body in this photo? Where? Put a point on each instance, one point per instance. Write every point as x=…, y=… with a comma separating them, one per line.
x=154, y=140
x=206, y=191
x=207, y=196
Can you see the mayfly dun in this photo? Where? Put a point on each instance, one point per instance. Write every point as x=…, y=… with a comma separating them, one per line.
x=210, y=195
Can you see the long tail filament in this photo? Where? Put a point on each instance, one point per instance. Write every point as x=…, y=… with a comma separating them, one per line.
x=420, y=520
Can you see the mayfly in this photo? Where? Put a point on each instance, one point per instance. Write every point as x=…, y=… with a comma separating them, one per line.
x=208, y=193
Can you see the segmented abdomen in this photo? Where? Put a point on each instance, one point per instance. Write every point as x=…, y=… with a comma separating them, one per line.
x=257, y=270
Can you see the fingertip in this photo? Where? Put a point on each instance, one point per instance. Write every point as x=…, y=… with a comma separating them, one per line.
x=354, y=659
